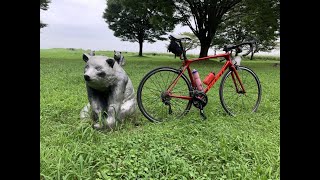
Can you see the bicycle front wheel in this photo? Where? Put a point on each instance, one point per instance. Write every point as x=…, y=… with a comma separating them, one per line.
x=233, y=100
x=153, y=99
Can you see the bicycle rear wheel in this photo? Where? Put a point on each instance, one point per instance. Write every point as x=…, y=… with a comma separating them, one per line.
x=237, y=102
x=152, y=97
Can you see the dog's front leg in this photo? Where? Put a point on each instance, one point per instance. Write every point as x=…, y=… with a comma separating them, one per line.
x=114, y=103
x=97, y=105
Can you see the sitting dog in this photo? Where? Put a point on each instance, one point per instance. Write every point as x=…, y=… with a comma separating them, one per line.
x=119, y=58
x=110, y=92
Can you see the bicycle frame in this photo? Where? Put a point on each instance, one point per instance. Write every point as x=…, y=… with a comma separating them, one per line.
x=186, y=66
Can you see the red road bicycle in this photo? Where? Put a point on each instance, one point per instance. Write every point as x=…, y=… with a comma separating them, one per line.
x=165, y=92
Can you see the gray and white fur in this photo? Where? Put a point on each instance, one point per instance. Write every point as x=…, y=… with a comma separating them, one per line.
x=110, y=92
x=92, y=53
x=119, y=57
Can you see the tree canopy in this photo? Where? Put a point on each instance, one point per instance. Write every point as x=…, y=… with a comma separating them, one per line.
x=44, y=5
x=257, y=20
x=140, y=20
x=219, y=22
x=193, y=43
x=203, y=17
x=213, y=22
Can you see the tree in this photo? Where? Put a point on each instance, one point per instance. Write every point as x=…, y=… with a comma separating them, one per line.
x=194, y=43
x=44, y=5
x=206, y=15
x=251, y=20
x=140, y=20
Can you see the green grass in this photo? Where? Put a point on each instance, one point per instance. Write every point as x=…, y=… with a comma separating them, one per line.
x=222, y=147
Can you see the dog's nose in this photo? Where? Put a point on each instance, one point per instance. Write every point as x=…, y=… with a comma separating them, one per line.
x=86, y=77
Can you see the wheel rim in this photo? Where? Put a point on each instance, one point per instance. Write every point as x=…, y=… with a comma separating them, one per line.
x=154, y=101
x=236, y=103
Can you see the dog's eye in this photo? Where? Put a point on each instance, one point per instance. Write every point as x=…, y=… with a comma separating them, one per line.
x=98, y=68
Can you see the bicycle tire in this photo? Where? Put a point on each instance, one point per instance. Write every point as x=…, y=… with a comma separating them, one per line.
x=143, y=98
x=233, y=103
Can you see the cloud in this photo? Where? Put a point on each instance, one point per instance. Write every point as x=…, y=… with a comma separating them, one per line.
x=75, y=12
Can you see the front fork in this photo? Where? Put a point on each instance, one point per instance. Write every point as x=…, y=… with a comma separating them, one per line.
x=236, y=78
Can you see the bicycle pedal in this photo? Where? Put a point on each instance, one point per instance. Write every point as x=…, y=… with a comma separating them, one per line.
x=170, y=110
x=204, y=117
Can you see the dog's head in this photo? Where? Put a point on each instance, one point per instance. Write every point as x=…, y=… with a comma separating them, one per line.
x=98, y=68
x=117, y=55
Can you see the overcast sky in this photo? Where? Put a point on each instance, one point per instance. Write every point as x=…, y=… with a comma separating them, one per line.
x=79, y=24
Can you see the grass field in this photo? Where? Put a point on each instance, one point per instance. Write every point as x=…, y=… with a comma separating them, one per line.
x=222, y=147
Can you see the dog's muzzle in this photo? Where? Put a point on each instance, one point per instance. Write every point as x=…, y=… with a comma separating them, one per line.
x=86, y=77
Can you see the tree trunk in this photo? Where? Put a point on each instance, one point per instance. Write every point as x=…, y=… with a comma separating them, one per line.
x=204, y=48
x=140, y=46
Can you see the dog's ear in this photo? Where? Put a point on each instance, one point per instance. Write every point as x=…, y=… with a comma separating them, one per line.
x=85, y=57
x=120, y=52
x=114, y=51
x=110, y=61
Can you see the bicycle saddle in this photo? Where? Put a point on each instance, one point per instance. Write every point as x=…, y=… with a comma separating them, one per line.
x=179, y=37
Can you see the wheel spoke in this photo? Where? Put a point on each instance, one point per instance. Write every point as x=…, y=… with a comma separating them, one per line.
x=163, y=84
x=155, y=84
x=153, y=89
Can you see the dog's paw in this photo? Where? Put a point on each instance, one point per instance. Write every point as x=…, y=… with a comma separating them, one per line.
x=97, y=126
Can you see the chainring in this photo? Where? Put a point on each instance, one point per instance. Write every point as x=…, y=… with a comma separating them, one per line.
x=199, y=99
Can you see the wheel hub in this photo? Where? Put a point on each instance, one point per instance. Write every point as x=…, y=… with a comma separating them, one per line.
x=165, y=98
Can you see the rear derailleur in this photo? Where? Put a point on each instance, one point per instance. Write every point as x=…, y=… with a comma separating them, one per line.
x=166, y=100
